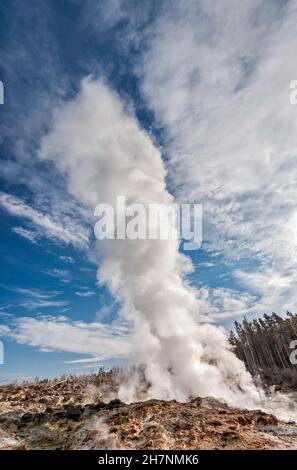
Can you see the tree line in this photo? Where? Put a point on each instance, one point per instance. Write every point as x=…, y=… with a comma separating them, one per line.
x=263, y=344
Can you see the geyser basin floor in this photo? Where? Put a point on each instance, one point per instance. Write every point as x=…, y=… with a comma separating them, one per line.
x=28, y=422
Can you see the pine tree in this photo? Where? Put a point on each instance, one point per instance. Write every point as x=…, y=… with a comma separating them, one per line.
x=263, y=344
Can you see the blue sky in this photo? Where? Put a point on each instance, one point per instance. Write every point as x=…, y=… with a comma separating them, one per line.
x=209, y=83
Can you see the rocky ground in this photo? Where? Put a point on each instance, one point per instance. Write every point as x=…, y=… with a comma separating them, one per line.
x=70, y=414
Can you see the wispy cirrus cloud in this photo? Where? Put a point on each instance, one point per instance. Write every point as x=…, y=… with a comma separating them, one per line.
x=88, y=293
x=25, y=233
x=99, y=341
x=222, y=303
x=230, y=134
x=67, y=259
x=5, y=314
x=40, y=303
x=34, y=293
x=32, y=299
x=63, y=274
x=42, y=222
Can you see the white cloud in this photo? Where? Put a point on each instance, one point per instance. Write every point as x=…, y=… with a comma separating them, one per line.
x=206, y=264
x=4, y=330
x=32, y=299
x=85, y=360
x=5, y=314
x=67, y=259
x=104, y=312
x=47, y=226
x=34, y=293
x=88, y=293
x=28, y=234
x=61, y=274
x=61, y=334
x=217, y=76
x=218, y=304
x=37, y=304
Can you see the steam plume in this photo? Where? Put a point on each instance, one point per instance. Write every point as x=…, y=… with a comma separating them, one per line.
x=99, y=146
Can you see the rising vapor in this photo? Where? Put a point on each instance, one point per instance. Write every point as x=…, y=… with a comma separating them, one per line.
x=98, y=144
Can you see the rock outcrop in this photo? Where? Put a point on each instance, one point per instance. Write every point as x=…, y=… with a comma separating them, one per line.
x=57, y=416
